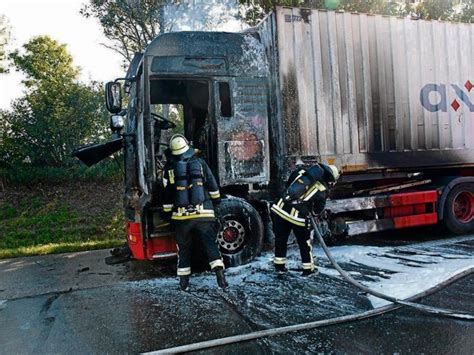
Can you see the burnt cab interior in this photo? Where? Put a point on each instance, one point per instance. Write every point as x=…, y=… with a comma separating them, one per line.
x=194, y=97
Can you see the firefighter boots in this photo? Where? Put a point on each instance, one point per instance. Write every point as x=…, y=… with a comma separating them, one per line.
x=184, y=282
x=310, y=272
x=280, y=268
x=220, y=277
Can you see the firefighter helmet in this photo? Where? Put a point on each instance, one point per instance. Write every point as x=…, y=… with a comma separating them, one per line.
x=179, y=144
x=331, y=171
x=299, y=162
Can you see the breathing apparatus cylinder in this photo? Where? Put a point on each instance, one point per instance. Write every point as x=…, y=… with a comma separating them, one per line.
x=304, y=179
x=181, y=177
x=196, y=187
x=298, y=187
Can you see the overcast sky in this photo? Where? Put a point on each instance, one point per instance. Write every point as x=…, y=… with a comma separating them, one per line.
x=61, y=20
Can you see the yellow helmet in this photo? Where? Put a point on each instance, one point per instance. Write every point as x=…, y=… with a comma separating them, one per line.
x=335, y=172
x=299, y=162
x=331, y=171
x=179, y=144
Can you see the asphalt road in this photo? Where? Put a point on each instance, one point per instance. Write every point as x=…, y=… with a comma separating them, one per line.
x=74, y=303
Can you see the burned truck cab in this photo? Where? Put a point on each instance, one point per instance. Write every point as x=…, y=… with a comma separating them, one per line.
x=220, y=82
x=216, y=86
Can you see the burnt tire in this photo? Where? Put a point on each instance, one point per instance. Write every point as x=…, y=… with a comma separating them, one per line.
x=459, y=209
x=337, y=233
x=240, y=236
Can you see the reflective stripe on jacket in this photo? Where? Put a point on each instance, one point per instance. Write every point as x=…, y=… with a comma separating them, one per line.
x=288, y=213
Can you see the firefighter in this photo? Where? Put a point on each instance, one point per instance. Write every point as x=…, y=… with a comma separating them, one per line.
x=191, y=192
x=306, y=192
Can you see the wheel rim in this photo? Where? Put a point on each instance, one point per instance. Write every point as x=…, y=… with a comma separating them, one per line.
x=463, y=207
x=232, y=236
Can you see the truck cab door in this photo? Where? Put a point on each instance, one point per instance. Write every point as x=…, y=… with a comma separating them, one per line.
x=242, y=130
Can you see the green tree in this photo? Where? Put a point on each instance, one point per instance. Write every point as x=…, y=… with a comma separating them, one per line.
x=381, y=7
x=448, y=10
x=255, y=10
x=4, y=39
x=57, y=113
x=434, y=9
x=464, y=12
x=129, y=25
x=45, y=63
x=132, y=25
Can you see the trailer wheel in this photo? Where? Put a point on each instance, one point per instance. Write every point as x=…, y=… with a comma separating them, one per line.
x=459, y=209
x=240, y=236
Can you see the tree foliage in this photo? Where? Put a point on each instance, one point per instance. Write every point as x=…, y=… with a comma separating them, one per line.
x=382, y=7
x=46, y=64
x=131, y=25
x=449, y=10
x=255, y=10
x=4, y=39
x=56, y=114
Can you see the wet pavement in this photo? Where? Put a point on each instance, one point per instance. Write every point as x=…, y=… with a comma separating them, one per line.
x=75, y=303
x=405, y=331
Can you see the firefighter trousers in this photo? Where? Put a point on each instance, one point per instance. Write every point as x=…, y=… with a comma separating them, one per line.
x=282, y=229
x=206, y=231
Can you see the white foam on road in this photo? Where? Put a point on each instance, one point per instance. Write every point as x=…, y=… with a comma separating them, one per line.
x=403, y=275
x=396, y=271
x=405, y=284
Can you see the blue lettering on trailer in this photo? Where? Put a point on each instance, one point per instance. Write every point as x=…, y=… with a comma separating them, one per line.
x=439, y=101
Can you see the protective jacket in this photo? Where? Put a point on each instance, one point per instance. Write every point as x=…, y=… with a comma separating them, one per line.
x=190, y=188
x=306, y=191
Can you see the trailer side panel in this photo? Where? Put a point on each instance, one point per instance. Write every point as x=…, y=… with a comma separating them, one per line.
x=371, y=92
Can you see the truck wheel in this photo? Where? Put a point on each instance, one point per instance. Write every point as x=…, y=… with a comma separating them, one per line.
x=459, y=209
x=240, y=236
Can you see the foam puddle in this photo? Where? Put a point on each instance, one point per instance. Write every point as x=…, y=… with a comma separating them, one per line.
x=403, y=272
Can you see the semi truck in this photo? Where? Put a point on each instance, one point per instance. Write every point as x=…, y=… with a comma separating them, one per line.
x=389, y=101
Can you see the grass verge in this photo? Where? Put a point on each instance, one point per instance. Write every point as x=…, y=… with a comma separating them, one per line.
x=46, y=219
x=59, y=247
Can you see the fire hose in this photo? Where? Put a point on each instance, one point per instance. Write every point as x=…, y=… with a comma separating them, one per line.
x=396, y=304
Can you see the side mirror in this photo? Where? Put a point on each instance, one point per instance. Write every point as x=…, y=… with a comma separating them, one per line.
x=113, y=97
